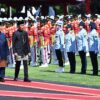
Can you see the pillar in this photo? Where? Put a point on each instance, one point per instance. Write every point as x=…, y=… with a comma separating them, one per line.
x=88, y=8
x=65, y=8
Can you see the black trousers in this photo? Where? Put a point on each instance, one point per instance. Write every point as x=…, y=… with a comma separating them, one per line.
x=17, y=69
x=59, y=57
x=94, y=62
x=82, y=55
x=2, y=72
x=72, y=61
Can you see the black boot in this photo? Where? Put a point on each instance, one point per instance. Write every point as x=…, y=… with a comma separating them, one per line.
x=27, y=80
x=2, y=80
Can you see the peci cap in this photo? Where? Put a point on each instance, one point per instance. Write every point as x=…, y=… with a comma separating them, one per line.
x=20, y=23
x=69, y=26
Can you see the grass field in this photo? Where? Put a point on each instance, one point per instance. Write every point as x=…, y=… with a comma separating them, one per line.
x=49, y=74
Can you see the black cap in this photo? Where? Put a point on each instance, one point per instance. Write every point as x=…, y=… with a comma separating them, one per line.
x=0, y=23
x=20, y=22
x=94, y=16
x=69, y=26
x=84, y=16
x=75, y=16
x=44, y=21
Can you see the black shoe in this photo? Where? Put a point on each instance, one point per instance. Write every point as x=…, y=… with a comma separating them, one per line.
x=83, y=72
x=27, y=80
x=95, y=74
x=2, y=80
x=15, y=79
x=72, y=72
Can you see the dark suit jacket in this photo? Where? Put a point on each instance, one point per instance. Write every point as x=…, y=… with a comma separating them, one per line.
x=4, y=50
x=20, y=43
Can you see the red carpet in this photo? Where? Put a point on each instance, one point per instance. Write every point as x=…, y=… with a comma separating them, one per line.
x=72, y=92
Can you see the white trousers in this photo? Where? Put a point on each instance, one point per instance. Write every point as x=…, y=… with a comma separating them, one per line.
x=44, y=55
x=33, y=54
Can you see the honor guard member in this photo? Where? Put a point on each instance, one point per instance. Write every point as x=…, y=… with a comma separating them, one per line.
x=75, y=24
x=97, y=22
x=30, y=37
x=33, y=44
x=82, y=46
x=46, y=34
x=42, y=45
x=9, y=34
x=66, y=61
x=35, y=40
x=21, y=50
x=93, y=47
x=70, y=46
x=52, y=36
x=59, y=46
x=4, y=52
x=84, y=19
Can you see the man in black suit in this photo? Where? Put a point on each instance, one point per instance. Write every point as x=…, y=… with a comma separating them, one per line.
x=21, y=50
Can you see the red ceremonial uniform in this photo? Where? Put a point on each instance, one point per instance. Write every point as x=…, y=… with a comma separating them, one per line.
x=10, y=31
x=46, y=34
x=49, y=24
x=75, y=25
x=30, y=36
x=52, y=34
x=41, y=37
x=87, y=26
x=35, y=34
x=97, y=22
x=25, y=28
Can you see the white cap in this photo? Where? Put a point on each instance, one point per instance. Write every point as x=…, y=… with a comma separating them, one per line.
x=5, y=19
x=0, y=19
x=42, y=17
x=20, y=18
x=15, y=18
x=52, y=17
x=69, y=16
x=37, y=17
x=79, y=16
x=26, y=18
x=99, y=16
x=9, y=19
x=61, y=17
x=89, y=15
x=32, y=17
x=3, y=10
x=58, y=16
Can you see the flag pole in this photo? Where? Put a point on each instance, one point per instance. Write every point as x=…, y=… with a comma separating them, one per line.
x=10, y=12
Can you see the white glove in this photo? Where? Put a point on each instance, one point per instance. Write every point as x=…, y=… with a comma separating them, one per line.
x=15, y=54
x=96, y=51
x=29, y=54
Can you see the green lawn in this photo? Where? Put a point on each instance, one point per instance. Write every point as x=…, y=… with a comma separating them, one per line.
x=48, y=74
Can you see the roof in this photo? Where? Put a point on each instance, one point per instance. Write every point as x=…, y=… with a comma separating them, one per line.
x=17, y=3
